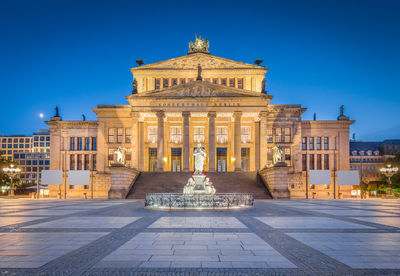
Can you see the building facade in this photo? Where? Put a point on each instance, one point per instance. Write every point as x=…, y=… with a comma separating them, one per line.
x=199, y=98
x=31, y=153
x=369, y=157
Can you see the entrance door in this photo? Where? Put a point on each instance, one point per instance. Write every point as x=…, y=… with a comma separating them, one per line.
x=221, y=159
x=152, y=159
x=176, y=159
x=245, y=159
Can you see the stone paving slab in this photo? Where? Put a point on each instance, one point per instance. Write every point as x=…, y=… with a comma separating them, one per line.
x=86, y=222
x=197, y=222
x=309, y=222
x=391, y=221
x=4, y=221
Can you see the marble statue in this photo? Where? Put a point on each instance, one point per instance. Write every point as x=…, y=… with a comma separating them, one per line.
x=277, y=154
x=121, y=152
x=189, y=187
x=200, y=156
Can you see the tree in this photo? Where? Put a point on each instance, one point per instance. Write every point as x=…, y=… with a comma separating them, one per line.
x=394, y=162
x=4, y=179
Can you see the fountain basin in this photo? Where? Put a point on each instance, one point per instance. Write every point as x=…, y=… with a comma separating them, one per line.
x=181, y=201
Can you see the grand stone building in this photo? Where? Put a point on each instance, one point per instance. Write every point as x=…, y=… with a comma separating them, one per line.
x=198, y=98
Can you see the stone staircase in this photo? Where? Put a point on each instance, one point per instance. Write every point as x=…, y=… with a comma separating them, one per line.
x=170, y=182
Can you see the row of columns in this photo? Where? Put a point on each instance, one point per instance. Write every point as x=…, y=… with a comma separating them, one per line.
x=138, y=140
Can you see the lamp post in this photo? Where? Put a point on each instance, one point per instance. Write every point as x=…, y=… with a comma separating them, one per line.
x=12, y=172
x=389, y=172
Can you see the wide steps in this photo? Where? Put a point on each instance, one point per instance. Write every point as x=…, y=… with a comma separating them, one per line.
x=172, y=182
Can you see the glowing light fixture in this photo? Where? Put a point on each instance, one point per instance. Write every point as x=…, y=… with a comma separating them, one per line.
x=389, y=172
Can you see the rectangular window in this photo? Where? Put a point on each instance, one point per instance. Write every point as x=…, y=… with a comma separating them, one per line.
x=311, y=143
x=157, y=84
x=215, y=81
x=120, y=135
x=111, y=154
x=326, y=143
x=240, y=83
x=79, y=162
x=288, y=156
x=269, y=135
x=304, y=162
x=318, y=143
x=278, y=135
x=319, y=162
x=128, y=135
x=176, y=134
x=326, y=162
x=79, y=143
x=182, y=81
x=223, y=81
x=304, y=143
x=86, y=157
x=165, y=83
x=94, y=143
x=87, y=143
x=152, y=134
x=198, y=134
x=94, y=162
x=288, y=135
x=174, y=82
x=245, y=134
x=232, y=82
x=72, y=162
x=311, y=158
x=222, y=134
x=111, y=135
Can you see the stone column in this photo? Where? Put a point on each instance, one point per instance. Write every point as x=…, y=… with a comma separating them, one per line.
x=141, y=146
x=186, y=142
x=257, y=145
x=135, y=140
x=237, y=115
x=211, y=140
x=102, y=150
x=263, y=139
x=160, y=140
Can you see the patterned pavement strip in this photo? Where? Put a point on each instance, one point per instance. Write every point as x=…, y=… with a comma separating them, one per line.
x=308, y=260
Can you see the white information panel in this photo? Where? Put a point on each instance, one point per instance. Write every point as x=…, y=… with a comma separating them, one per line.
x=51, y=177
x=345, y=178
x=78, y=177
x=320, y=177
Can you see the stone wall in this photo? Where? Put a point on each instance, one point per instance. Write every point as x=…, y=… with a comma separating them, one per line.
x=122, y=180
x=277, y=181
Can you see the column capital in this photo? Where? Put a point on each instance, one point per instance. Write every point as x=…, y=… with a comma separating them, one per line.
x=237, y=114
x=185, y=113
x=263, y=114
x=212, y=114
x=160, y=114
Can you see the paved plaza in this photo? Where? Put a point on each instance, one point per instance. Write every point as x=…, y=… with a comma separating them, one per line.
x=276, y=237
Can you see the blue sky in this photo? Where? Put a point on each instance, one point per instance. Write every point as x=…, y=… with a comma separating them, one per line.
x=321, y=54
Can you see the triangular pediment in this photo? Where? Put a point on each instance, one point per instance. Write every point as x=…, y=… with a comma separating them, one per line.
x=193, y=60
x=199, y=89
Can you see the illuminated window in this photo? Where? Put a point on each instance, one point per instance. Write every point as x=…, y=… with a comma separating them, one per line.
x=152, y=134
x=222, y=134
x=269, y=135
x=245, y=134
x=198, y=134
x=232, y=82
x=176, y=134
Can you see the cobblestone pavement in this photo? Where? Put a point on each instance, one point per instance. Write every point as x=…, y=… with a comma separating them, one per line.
x=276, y=237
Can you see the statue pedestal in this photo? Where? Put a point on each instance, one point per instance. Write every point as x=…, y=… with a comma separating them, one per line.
x=199, y=186
x=276, y=178
x=122, y=179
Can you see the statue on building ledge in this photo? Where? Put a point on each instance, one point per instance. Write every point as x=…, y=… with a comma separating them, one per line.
x=342, y=116
x=199, y=46
x=121, y=156
x=278, y=156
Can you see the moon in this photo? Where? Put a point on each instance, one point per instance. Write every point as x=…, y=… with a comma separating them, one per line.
x=41, y=115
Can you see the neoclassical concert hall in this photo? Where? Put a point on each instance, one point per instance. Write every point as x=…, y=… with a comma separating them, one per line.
x=198, y=98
